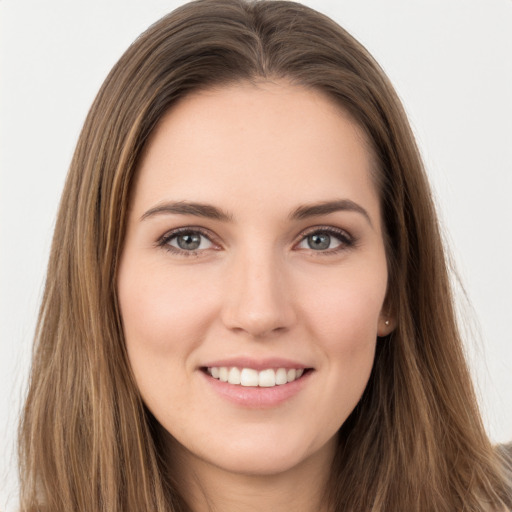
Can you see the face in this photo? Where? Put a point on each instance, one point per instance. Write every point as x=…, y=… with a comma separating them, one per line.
x=253, y=276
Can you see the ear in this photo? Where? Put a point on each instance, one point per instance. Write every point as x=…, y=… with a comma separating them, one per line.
x=386, y=325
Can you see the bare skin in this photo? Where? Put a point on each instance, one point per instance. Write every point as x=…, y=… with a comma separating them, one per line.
x=254, y=245
x=302, y=488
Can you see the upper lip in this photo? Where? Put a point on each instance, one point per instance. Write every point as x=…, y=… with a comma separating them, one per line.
x=256, y=364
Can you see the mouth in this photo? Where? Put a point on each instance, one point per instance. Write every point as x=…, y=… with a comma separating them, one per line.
x=250, y=377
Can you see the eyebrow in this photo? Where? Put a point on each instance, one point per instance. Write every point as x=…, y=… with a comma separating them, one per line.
x=189, y=208
x=212, y=212
x=327, y=207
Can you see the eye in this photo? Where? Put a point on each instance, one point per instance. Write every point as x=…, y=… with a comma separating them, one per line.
x=326, y=240
x=186, y=240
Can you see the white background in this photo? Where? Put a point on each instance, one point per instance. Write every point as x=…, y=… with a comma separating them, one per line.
x=451, y=62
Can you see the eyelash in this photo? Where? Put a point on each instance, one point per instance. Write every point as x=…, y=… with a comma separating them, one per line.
x=163, y=242
x=346, y=240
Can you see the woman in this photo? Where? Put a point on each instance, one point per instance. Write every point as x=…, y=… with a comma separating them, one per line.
x=247, y=304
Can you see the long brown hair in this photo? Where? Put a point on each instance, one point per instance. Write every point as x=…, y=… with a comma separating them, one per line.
x=415, y=442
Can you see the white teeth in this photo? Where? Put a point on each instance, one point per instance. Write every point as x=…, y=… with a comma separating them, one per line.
x=281, y=376
x=248, y=377
x=223, y=374
x=267, y=379
x=253, y=378
x=234, y=376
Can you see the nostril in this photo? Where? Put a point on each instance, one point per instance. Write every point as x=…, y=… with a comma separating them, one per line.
x=257, y=298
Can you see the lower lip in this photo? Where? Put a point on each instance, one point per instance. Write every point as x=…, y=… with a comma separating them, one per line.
x=257, y=397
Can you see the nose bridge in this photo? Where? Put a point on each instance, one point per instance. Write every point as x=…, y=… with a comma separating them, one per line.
x=257, y=296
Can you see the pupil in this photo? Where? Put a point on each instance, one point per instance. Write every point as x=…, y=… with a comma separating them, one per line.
x=319, y=241
x=189, y=242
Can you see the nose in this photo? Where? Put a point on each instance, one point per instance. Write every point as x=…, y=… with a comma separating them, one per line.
x=258, y=296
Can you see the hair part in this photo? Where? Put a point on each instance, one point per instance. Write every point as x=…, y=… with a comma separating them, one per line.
x=414, y=442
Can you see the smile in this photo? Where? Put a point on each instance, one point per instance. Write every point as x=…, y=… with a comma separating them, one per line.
x=250, y=377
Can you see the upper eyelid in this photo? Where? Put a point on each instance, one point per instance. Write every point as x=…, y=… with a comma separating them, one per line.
x=163, y=242
x=326, y=229
x=185, y=229
x=216, y=239
x=346, y=240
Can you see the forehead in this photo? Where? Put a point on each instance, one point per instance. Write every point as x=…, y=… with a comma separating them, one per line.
x=271, y=143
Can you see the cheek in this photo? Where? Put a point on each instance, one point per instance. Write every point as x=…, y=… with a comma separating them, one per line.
x=345, y=309
x=343, y=317
x=162, y=327
x=158, y=307
x=345, y=327
x=347, y=335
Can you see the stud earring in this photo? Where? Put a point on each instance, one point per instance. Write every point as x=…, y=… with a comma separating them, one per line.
x=387, y=322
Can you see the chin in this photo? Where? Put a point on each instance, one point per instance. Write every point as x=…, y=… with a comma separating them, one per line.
x=261, y=455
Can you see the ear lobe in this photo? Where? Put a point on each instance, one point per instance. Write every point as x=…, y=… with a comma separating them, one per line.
x=386, y=325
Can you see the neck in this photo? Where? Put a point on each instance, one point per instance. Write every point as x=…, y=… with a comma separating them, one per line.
x=208, y=488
